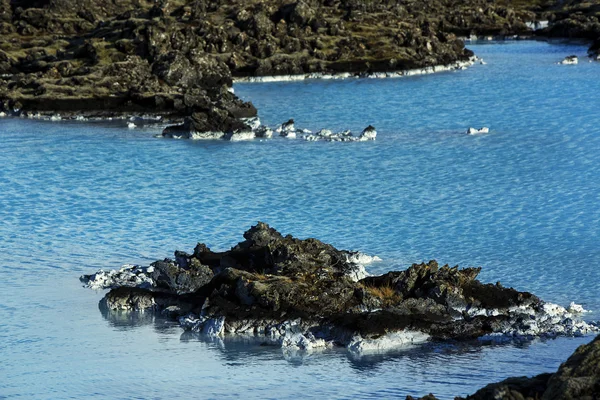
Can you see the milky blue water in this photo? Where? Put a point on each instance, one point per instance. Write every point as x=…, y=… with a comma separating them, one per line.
x=522, y=202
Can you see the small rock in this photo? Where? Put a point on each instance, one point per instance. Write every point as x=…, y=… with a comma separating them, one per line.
x=368, y=134
x=474, y=131
x=570, y=60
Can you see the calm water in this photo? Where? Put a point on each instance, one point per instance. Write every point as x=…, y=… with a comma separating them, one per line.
x=522, y=202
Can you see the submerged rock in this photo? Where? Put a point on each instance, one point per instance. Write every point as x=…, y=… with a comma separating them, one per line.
x=301, y=292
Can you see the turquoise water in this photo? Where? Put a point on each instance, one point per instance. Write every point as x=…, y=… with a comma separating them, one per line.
x=522, y=202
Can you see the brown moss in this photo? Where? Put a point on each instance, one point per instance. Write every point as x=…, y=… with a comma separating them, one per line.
x=385, y=293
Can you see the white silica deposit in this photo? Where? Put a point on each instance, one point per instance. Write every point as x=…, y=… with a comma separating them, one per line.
x=570, y=60
x=241, y=136
x=475, y=131
x=200, y=324
x=459, y=65
x=550, y=320
x=388, y=341
x=303, y=341
x=128, y=275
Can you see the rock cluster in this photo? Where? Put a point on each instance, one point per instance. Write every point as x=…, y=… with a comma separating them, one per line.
x=309, y=293
x=256, y=130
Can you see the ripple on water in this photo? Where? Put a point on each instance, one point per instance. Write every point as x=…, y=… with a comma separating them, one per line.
x=520, y=201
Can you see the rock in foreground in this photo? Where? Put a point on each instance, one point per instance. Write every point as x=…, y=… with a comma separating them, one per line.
x=306, y=293
x=577, y=378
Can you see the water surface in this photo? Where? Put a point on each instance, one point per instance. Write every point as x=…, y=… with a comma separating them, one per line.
x=521, y=202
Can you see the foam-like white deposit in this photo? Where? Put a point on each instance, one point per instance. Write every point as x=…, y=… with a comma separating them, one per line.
x=526, y=322
x=201, y=324
x=550, y=320
x=346, y=75
x=576, y=308
x=241, y=136
x=358, y=257
x=358, y=261
x=305, y=341
x=290, y=335
x=388, y=341
x=206, y=135
x=325, y=135
x=128, y=275
x=475, y=131
x=253, y=123
x=569, y=60
x=286, y=130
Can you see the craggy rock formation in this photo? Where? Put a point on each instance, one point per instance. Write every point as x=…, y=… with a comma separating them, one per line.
x=306, y=293
x=177, y=58
x=577, y=378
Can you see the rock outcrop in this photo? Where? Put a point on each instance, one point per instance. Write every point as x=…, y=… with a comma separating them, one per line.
x=312, y=294
x=255, y=130
x=177, y=59
x=576, y=378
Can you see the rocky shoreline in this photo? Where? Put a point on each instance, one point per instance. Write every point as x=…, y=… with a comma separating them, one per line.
x=177, y=60
x=459, y=65
x=307, y=294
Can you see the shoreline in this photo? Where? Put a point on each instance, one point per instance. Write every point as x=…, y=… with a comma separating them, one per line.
x=459, y=65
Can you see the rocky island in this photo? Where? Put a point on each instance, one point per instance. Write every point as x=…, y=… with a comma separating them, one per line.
x=176, y=60
x=305, y=294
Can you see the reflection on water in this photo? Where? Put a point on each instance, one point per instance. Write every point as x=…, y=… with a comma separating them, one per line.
x=239, y=349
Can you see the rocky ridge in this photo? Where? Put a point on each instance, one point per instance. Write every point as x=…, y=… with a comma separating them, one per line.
x=305, y=293
x=176, y=59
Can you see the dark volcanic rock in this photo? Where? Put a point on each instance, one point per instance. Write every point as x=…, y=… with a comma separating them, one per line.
x=185, y=275
x=177, y=59
x=514, y=388
x=271, y=280
x=577, y=378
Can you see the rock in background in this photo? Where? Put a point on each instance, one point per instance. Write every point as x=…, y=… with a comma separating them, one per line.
x=176, y=58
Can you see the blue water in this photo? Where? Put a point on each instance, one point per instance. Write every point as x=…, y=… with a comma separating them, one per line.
x=522, y=202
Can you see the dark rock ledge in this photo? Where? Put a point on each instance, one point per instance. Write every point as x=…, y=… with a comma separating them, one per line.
x=306, y=294
x=576, y=378
x=176, y=59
